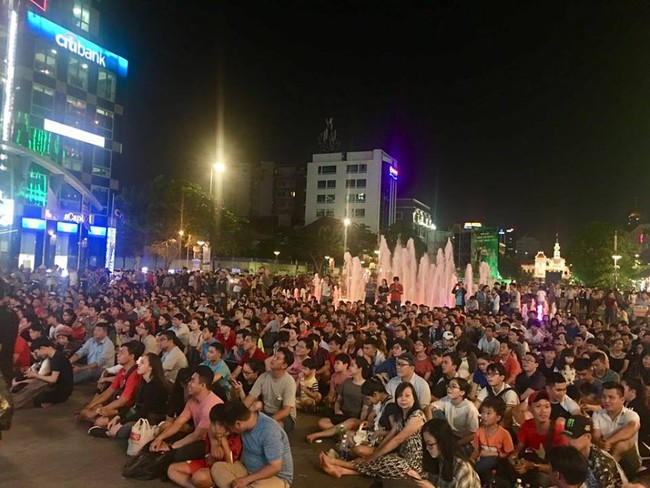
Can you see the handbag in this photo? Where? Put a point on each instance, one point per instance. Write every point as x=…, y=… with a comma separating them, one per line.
x=142, y=433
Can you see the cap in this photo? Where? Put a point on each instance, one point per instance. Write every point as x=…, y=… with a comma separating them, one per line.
x=537, y=396
x=577, y=426
x=408, y=357
x=448, y=335
x=63, y=330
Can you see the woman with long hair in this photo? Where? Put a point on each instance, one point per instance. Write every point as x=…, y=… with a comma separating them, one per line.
x=150, y=401
x=634, y=393
x=452, y=468
x=400, y=451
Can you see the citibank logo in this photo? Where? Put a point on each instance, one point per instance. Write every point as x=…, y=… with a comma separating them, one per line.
x=71, y=43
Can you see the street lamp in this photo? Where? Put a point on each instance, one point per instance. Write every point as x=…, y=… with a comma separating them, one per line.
x=346, y=224
x=277, y=253
x=218, y=168
x=181, y=233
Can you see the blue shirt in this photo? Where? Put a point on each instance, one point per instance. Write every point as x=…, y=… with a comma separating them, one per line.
x=267, y=442
x=204, y=349
x=102, y=353
x=389, y=366
x=220, y=368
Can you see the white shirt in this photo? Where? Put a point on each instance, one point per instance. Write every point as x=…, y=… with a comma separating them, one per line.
x=510, y=397
x=463, y=418
x=607, y=425
x=422, y=389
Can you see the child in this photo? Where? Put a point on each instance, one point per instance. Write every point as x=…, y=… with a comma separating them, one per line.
x=341, y=373
x=492, y=442
x=423, y=365
x=568, y=370
x=220, y=446
x=307, y=396
x=436, y=360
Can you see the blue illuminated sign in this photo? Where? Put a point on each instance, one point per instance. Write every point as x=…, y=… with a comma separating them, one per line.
x=84, y=48
x=33, y=224
x=392, y=171
x=67, y=227
x=97, y=231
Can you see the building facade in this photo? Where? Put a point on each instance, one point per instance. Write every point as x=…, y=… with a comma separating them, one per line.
x=289, y=195
x=62, y=108
x=361, y=186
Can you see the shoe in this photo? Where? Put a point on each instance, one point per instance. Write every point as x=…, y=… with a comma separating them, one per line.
x=97, y=431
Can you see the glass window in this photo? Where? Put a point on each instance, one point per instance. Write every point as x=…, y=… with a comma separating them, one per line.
x=104, y=122
x=70, y=198
x=331, y=183
x=363, y=168
x=73, y=154
x=106, y=85
x=44, y=58
x=78, y=72
x=75, y=111
x=361, y=183
x=330, y=198
x=320, y=212
x=359, y=212
x=81, y=14
x=101, y=157
x=322, y=184
x=42, y=101
x=101, y=193
x=327, y=170
x=356, y=198
x=350, y=183
x=320, y=198
x=353, y=168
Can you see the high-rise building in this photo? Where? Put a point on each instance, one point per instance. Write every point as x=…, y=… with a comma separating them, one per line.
x=62, y=108
x=527, y=247
x=361, y=186
x=289, y=195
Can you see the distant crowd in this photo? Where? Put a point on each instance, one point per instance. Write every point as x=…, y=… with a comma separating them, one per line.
x=510, y=385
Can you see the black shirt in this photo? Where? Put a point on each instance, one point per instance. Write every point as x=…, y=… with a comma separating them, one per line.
x=536, y=382
x=64, y=382
x=151, y=399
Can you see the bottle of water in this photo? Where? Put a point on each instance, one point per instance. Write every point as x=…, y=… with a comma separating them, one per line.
x=493, y=479
x=518, y=483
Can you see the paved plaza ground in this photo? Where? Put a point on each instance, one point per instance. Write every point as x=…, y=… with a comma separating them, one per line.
x=48, y=448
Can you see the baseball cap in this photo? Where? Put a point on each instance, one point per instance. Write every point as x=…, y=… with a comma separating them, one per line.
x=63, y=330
x=537, y=396
x=408, y=357
x=448, y=335
x=577, y=426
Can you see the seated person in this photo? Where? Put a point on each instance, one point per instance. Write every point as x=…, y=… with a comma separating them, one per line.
x=221, y=446
x=307, y=394
x=584, y=375
x=341, y=373
x=221, y=383
x=389, y=366
x=277, y=390
x=530, y=379
x=58, y=383
x=479, y=380
x=492, y=442
x=197, y=409
x=349, y=406
x=616, y=428
x=568, y=468
x=562, y=405
x=496, y=376
x=251, y=370
x=266, y=461
x=173, y=358
x=150, y=401
x=99, y=352
x=120, y=395
x=535, y=437
x=460, y=412
x=603, y=468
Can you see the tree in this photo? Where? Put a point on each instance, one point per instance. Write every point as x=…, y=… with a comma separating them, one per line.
x=361, y=240
x=403, y=231
x=590, y=253
x=167, y=250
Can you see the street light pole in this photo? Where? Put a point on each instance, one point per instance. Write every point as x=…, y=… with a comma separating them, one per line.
x=616, y=258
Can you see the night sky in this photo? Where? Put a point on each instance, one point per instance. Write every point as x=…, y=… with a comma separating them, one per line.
x=527, y=114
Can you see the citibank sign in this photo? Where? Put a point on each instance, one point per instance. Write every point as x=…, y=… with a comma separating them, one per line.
x=71, y=43
x=62, y=37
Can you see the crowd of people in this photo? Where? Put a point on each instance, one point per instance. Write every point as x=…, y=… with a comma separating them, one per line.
x=546, y=385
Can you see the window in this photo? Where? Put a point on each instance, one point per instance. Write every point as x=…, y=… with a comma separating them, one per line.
x=324, y=212
x=331, y=183
x=353, y=168
x=104, y=122
x=101, y=194
x=356, y=198
x=106, y=85
x=327, y=170
x=44, y=59
x=73, y=154
x=321, y=184
x=101, y=162
x=350, y=183
x=361, y=183
x=78, y=72
x=75, y=111
x=325, y=198
x=70, y=198
x=326, y=184
x=355, y=212
x=42, y=101
x=363, y=168
x=81, y=14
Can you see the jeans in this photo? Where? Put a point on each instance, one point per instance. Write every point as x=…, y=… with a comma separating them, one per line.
x=87, y=375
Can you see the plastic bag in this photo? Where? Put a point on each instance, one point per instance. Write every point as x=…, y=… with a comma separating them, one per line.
x=147, y=465
x=142, y=433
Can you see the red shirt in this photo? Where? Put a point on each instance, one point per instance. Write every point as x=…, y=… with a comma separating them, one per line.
x=396, y=290
x=529, y=436
x=151, y=324
x=229, y=343
x=21, y=348
x=130, y=385
x=258, y=354
x=513, y=368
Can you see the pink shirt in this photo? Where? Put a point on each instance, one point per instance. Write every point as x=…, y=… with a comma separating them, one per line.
x=200, y=412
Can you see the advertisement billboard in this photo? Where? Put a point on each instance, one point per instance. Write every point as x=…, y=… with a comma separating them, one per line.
x=485, y=248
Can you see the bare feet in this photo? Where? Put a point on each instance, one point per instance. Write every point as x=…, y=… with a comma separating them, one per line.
x=329, y=468
x=46, y=405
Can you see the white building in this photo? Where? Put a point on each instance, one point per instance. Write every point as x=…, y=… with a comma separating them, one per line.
x=360, y=185
x=543, y=265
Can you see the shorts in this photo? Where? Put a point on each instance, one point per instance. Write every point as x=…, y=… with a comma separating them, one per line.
x=197, y=465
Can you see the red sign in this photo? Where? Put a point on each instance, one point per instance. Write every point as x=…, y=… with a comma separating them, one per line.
x=42, y=4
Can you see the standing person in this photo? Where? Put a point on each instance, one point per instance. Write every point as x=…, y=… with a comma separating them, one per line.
x=568, y=467
x=441, y=448
x=396, y=292
x=277, y=390
x=266, y=457
x=399, y=452
x=383, y=291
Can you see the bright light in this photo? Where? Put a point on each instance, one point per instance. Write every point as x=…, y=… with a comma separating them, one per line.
x=172, y=271
x=74, y=133
x=277, y=253
x=145, y=269
x=76, y=11
x=346, y=221
x=11, y=69
x=219, y=167
x=181, y=233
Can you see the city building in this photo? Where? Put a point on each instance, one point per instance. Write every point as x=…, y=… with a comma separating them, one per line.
x=507, y=241
x=62, y=108
x=361, y=186
x=247, y=188
x=548, y=269
x=418, y=215
x=289, y=195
